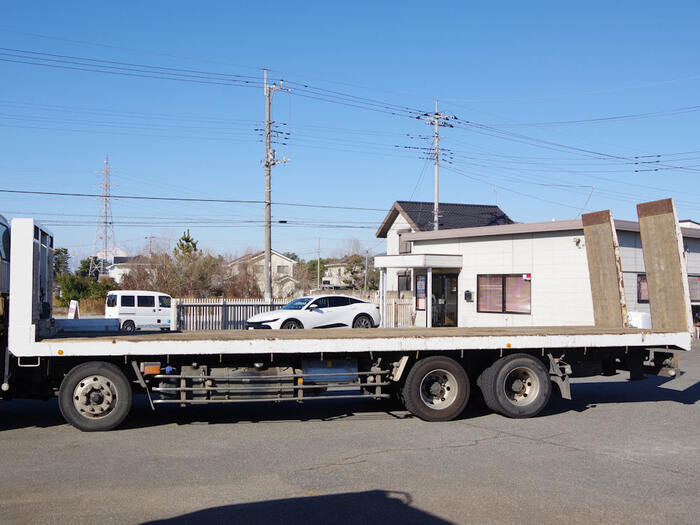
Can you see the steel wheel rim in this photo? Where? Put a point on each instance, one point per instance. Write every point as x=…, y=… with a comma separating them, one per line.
x=95, y=396
x=363, y=322
x=521, y=386
x=438, y=389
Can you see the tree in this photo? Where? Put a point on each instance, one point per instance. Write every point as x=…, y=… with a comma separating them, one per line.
x=243, y=283
x=354, y=272
x=77, y=287
x=185, y=273
x=186, y=246
x=61, y=261
x=293, y=256
x=84, y=268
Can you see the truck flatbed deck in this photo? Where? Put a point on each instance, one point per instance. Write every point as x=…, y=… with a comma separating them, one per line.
x=349, y=340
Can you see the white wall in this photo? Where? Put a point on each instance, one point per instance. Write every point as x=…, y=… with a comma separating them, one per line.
x=560, y=282
x=633, y=264
x=392, y=248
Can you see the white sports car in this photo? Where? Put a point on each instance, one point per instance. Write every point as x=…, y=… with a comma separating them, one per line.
x=319, y=311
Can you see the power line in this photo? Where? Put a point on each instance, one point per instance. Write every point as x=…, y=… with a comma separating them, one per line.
x=191, y=199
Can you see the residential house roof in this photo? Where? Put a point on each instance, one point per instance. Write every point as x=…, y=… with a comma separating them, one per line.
x=532, y=227
x=419, y=216
x=250, y=257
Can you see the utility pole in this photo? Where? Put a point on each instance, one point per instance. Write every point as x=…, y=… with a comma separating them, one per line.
x=366, y=268
x=268, y=163
x=104, y=237
x=150, y=243
x=437, y=119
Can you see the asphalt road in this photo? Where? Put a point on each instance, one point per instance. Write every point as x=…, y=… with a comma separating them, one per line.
x=620, y=452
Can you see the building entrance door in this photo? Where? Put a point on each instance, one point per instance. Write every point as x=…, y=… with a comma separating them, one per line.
x=444, y=299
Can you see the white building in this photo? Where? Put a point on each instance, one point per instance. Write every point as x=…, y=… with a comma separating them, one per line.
x=121, y=266
x=407, y=217
x=283, y=282
x=337, y=274
x=521, y=274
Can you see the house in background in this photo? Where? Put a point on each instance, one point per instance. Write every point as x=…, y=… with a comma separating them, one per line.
x=532, y=274
x=407, y=217
x=121, y=266
x=337, y=275
x=283, y=282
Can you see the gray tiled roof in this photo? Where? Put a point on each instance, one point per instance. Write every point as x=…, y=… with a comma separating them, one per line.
x=420, y=216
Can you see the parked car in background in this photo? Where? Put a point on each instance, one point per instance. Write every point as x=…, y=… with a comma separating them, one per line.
x=319, y=311
x=139, y=309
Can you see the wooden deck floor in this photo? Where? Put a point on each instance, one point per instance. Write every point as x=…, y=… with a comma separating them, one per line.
x=375, y=333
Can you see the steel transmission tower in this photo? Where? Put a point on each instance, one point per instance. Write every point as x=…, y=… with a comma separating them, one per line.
x=104, y=236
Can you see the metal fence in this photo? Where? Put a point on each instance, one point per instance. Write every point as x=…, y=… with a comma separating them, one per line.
x=222, y=315
x=231, y=314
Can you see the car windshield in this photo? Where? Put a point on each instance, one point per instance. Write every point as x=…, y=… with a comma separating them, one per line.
x=296, y=304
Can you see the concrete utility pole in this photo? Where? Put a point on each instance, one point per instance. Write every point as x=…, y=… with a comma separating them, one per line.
x=104, y=238
x=268, y=163
x=366, y=268
x=437, y=119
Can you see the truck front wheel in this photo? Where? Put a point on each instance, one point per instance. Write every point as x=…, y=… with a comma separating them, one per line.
x=95, y=396
x=436, y=389
x=516, y=386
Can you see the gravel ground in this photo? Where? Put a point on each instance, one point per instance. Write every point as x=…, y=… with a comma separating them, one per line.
x=620, y=452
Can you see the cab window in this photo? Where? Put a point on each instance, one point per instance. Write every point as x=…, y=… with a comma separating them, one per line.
x=164, y=301
x=111, y=301
x=128, y=300
x=146, y=301
x=4, y=242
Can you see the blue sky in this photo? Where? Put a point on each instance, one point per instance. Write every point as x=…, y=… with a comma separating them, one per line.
x=515, y=74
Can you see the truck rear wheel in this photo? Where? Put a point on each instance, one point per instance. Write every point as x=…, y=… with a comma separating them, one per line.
x=95, y=396
x=516, y=386
x=436, y=389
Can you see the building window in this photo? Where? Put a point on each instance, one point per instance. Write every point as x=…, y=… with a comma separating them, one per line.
x=282, y=270
x=694, y=287
x=507, y=294
x=404, y=284
x=258, y=269
x=642, y=288
x=404, y=246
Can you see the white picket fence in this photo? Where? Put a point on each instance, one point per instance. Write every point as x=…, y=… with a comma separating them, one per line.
x=219, y=313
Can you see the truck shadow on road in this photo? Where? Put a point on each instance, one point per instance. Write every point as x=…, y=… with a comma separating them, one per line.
x=373, y=506
x=29, y=413
x=650, y=390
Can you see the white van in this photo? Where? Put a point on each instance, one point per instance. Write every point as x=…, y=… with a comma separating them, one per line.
x=138, y=309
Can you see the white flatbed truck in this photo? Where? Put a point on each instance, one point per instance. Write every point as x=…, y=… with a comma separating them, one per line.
x=433, y=370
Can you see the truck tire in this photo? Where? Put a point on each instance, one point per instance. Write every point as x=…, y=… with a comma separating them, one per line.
x=95, y=396
x=516, y=386
x=128, y=326
x=436, y=389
